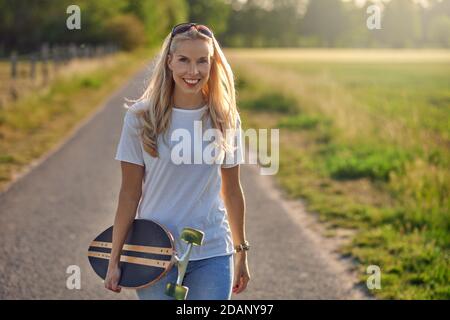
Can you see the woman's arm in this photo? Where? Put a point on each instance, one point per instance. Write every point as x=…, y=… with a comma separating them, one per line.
x=130, y=194
x=233, y=198
x=234, y=201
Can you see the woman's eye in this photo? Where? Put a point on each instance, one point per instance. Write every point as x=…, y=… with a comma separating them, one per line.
x=185, y=60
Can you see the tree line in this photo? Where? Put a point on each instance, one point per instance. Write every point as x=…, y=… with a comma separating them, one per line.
x=25, y=25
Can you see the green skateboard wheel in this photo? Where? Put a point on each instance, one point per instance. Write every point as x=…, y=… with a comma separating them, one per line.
x=175, y=291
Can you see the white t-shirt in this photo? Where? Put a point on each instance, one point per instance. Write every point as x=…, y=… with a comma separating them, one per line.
x=181, y=195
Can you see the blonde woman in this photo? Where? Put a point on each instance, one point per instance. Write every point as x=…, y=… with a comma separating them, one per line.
x=191, y=90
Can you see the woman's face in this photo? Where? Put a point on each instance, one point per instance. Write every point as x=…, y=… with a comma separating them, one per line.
x=190, y=65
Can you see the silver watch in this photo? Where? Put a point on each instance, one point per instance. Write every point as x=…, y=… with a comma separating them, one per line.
x=243, y=246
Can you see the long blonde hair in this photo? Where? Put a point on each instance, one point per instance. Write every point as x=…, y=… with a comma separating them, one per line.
x=219, y=93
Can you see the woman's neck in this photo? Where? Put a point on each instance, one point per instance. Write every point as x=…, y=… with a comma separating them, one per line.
x=188, y=101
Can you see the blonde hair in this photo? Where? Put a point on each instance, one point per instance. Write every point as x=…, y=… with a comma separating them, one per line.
x=219, y=93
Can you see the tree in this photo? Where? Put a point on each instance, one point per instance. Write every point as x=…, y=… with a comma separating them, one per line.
x=434, y=22
x=246, y=25
x=25, y=25
x=284, y=23
x=213, y=13
x=401, y=24
x=324, y=20
x=126, y=31
x=158, y=17
x=439, y=31
x=95, y=16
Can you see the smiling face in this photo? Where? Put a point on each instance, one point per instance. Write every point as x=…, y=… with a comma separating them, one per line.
x=190, y=65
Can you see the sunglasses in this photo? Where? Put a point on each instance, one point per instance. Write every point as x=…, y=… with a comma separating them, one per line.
x=183, y=27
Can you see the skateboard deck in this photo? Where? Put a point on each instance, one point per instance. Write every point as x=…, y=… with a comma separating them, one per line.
x=147, y=255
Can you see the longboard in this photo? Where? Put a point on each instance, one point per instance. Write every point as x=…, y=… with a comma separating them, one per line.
x=148, y=254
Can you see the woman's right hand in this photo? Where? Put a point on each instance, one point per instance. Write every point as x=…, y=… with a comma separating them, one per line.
x=112, y=278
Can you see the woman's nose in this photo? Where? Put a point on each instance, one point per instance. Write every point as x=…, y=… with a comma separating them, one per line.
x=193, y=69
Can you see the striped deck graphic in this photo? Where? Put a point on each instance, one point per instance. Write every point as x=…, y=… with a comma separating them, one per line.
x=142, y=261
x=129, y=247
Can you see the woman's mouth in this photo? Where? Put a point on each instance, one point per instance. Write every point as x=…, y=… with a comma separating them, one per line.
x=191, y=82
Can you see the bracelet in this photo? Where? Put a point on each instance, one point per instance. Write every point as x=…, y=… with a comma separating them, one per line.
x=242, y=247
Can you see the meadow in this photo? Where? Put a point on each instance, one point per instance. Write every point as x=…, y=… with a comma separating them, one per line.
x=365, y=142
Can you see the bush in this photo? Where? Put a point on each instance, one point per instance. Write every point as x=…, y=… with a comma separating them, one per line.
x=272, y=102
x=303, y=122
x=365, y=161
x=127, y=31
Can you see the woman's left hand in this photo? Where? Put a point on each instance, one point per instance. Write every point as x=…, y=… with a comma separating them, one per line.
x=241, y=273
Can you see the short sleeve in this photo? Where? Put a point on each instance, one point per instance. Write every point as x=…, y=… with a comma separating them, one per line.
x=129, y=146
x=232, y=160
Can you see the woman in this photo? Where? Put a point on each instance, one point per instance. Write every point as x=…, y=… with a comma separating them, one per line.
x=191, y=84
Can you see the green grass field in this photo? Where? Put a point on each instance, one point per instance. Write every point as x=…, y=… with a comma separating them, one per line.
x=365, y=140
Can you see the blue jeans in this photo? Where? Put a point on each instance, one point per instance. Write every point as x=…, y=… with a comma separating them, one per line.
x=207, y=279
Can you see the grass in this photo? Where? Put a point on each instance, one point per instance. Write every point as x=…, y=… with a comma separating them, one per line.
x=365, y=142
x=417, y=103
x=34, y=124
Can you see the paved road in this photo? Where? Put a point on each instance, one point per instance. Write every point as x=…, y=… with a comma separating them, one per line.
x=49, y=216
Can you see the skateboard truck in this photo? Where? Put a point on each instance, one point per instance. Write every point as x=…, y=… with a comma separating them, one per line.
x=192, y=237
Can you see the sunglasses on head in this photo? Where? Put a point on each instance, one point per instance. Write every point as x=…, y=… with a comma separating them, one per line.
x=183, y=27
